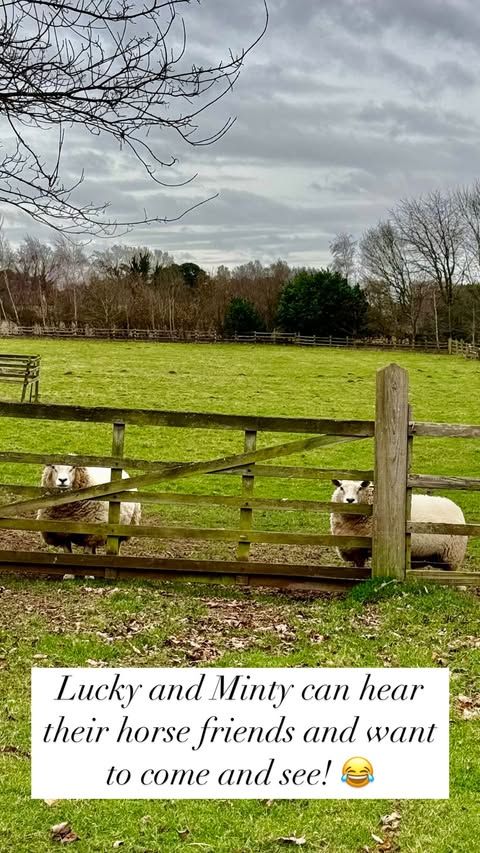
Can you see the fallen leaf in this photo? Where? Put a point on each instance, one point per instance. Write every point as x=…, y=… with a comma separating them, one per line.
x=63, y=833
x=377, y=838
x=69, y=837
x=469, y=706
x=117, y=844
x=8, y=749
x=40, y=657
x=183, y=833
x=292, y=839
x=60, y=828
x=391, y=821
x=51, y=803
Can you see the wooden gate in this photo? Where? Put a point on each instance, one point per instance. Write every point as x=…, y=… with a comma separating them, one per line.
x=247, y=465
x=393, y=433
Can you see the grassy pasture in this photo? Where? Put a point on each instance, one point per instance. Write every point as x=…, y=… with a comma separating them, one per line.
x=244, y=380
x=133, y=624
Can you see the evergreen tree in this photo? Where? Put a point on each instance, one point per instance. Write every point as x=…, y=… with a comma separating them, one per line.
x=321, y=302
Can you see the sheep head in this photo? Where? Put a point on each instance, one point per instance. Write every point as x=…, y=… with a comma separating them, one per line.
x=352, y=492
x=64, y=477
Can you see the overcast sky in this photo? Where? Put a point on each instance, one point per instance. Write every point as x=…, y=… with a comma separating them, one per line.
x=343, y=108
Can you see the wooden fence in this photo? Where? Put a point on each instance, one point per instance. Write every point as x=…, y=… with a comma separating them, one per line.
x=393, y=432
x=208, y=337
x=450, y=347
x=463, y=348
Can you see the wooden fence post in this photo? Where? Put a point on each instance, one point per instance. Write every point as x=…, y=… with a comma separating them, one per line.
x=449, y=346
x=408, y=536
x=391, y=464
x=113, y=543
x=248, y=481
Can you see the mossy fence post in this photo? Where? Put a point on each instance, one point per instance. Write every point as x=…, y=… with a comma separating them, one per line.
x=113, y=542
x=389, y=551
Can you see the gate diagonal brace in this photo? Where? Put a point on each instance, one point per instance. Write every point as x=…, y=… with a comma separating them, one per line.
x=188, y=469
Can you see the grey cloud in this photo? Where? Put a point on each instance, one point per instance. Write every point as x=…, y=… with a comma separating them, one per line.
x=346, y=106
x=432, y=19
x=409, y=119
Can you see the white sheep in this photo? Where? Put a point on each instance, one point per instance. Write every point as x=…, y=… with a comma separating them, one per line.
x=88, y=511
x=443, y=550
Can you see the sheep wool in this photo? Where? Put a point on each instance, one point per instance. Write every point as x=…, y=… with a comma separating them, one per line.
x=442, y=550
x=89, y=511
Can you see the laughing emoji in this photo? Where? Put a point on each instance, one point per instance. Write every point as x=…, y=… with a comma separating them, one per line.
x=357, y=772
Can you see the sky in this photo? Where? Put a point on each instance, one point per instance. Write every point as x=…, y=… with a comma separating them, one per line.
x=345, y=107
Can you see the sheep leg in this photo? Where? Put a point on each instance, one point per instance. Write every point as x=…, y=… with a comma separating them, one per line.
x=357, y=557
x=68, y=548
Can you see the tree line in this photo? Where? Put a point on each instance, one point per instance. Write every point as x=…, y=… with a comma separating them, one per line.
x=413, y=274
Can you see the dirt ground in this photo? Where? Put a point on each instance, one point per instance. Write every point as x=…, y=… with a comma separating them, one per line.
x=26, y=540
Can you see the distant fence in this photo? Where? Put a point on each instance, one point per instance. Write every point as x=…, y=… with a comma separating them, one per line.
x=393, y=432
x=462, y=348
x=278, y=338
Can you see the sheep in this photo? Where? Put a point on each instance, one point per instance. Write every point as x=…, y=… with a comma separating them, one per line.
x=89, y=511
x=443, y=550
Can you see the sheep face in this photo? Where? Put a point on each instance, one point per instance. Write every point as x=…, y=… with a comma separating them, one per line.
x=351, y=491
x=61, y=476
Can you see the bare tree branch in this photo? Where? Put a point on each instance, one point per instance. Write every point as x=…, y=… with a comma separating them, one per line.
x=116, y=68
x=386, y=259
x=432, y=228
x=343, y=249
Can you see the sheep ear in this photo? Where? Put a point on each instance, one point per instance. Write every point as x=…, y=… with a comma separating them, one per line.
x=337, y=482
x=77, y=478
x=365, y=483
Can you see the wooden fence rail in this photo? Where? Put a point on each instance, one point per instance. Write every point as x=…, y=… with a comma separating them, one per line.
x=393, y=432
x=450, y=346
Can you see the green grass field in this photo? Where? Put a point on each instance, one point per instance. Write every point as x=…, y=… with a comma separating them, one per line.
x=135, y=624
x=244, y=380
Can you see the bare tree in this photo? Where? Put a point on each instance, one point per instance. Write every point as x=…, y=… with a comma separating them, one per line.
x=72, y=263
x=468, y=200
x=36, y=264
x=432, y=229
x=343, y=249
x=383, y=311
x=104, y=302
x=385, y=258
x=115, y=68
x=6, y=251
x=6, y=263
x=118, y=260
